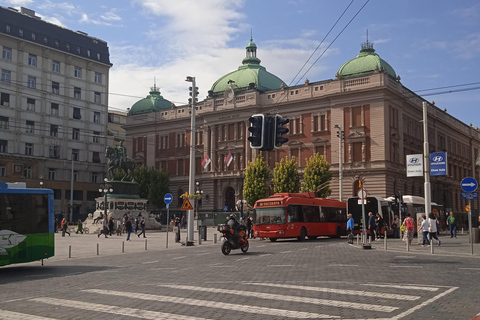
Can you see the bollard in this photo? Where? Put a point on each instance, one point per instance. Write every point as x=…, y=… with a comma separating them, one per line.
x=431, y=245
x=69, y=251
x=358, y=239
x=200, y=236
x=98, y=249
x=123, y=246
x=462, y=230
x=145, y=244
x=385, y=238
x=408, y=244
x=215, y=238
x=166, y=242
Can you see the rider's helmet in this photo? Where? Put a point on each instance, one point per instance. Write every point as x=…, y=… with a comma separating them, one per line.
x=233, y=217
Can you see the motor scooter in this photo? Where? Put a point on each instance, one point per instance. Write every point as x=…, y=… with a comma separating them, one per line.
x=233, y=240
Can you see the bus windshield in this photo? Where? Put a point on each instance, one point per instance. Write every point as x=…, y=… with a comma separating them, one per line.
x=270, y=215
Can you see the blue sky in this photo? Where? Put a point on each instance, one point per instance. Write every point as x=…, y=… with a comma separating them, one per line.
x=430, y=43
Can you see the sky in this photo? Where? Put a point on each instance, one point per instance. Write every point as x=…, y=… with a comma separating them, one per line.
x=433, y=45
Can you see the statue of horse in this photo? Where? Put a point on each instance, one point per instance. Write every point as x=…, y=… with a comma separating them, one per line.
x=119, y=160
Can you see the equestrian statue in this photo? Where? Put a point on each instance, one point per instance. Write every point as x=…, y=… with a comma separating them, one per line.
x=118, y=160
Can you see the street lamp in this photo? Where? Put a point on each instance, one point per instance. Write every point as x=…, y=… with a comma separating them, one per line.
x=41, y=184
x=106, y=188
x=191, y=177
x=198, y=194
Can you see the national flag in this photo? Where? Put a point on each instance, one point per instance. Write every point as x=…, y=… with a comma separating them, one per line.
x=206, y=161
x=228, y=159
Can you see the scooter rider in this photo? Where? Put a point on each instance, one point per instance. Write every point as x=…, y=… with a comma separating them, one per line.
x=233, y=224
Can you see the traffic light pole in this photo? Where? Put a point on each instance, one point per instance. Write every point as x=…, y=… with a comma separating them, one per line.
x=191, y=180
x=470, y=233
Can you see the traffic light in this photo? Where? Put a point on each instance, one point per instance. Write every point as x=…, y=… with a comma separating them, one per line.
x=341, y=134
x=193, y=94
x=257, y=128
x=280, y=130
x=268, y=134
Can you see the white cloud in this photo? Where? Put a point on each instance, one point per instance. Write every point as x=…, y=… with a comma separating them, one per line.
x=111, y=16
x=15, y=3
x=59, y=8
x=469, y=47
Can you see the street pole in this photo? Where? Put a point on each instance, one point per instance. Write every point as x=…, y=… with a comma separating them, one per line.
x=71, y=194
x=426, y=161
x=470, y=233
x=191, y=181
x=168, y=224
x=340, y=161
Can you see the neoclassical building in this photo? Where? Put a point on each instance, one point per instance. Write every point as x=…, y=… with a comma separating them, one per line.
x=381, y=120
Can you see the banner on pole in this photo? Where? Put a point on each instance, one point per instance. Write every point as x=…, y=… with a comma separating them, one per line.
x=438, y=164
x=414, y=165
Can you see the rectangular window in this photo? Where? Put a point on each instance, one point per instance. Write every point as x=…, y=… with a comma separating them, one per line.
x=76, y=134
x=27, y=172
x=96, y=157
x=3, y=122
x=5, y=99
x=7, y=28
x=30, y=104
x=53, y=130
x=98, y=77
x=51, y=174
x=3, y=170
x=96, y=137
x=7, y=53
x=32, y=60
x=77, y=93
x=3, y=146
x=55, y=87
x=29, y=149
x=76, y=113
x=54, y=152
x=94, y=177
x=96, y=117
x=97, y=98
x=323, y=126
x=32, y=82
x=6, y=75
x=20, y=32
x=54, y=109
x=30, y=126
x=356, y=116
x=34, y=36
x=76, y=155
x=75, y=178
x=77, y=72
x=357, y=152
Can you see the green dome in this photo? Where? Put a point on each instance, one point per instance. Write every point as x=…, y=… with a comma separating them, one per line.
x=365, y=63
x=153, y=102
x=250, y=75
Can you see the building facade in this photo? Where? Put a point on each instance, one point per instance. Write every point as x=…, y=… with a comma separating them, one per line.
x=54, y=98
x=381, y=120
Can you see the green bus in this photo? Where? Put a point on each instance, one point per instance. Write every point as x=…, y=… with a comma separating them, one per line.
x=26, y=224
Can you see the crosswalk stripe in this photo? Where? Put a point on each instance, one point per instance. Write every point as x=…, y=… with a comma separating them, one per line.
x=340, y=291
x=261, y=295
x=131, y=312
x=407, y=287
x=214, y=304
x=10, y=315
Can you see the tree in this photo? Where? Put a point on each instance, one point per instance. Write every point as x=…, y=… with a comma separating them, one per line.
x=153, y=184
x=317, y=176
x=256, y=180
x=285, y=176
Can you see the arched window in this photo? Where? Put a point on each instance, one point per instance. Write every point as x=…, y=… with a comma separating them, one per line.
x=230, y=198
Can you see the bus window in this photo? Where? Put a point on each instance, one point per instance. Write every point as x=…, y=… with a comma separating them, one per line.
x=334, y=214
x=311, y=214
x=270, y=215
x=295, y=213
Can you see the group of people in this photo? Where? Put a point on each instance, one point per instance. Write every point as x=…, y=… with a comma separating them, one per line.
x=127, y=224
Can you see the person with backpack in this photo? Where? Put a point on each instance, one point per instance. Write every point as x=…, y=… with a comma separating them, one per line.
x=424, y=228
x=409, y=231
x=432, y=228
x=452, y=224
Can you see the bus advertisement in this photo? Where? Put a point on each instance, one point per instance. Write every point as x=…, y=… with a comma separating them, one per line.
x=26, y=224
x=299, y=215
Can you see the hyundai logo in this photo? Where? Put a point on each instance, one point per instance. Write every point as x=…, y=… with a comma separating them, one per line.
x=414, y=160
x=437, y=158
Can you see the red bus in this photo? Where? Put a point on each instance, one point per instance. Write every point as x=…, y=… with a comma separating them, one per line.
x=299, y=215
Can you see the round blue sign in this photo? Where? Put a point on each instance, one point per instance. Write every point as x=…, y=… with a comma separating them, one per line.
x=168, y=198
x=469, y=184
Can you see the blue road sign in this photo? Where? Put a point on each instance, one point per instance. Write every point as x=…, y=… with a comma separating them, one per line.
x=168, y=198
x=225, y=208
x=168, y=205
x=438, y=164
x=469, y=184
x=470, y=195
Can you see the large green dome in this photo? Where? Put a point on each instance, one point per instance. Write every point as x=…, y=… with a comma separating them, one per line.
x=250, y=75
x=365, y=63
x=153, y=102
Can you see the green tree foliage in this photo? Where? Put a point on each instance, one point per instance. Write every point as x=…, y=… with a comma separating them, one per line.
x=317, y=176
x=256, y=180
x=285, y=176
x=153, y=184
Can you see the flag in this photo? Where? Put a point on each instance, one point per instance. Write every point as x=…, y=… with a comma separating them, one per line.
x=228, y=159
x=206, y=161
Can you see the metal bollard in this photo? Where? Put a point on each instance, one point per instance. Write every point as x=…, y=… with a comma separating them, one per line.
x=69, y=251
x=98, y=249
x=145, y=244
x=358, y=240
x=123, y=246
x=408, y=244
x=431, y=245
x=200, y=235
x=385, y=238
x=215, y=238
x=166, y=242
x=462, y=230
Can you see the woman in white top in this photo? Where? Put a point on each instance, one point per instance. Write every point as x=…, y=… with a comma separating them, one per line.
x=424, y=228
x=432, y=227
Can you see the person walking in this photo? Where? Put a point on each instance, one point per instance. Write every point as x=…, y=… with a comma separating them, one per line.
x=452, y=224
x=128, y=228
x=105, y=228
x=64, y=227
x=371, y=226
x=395, y=227
x=424, y=228
x=79, y=227
x=350, y=228
x=119, y=228
x=379, y=223
x=249, y=226
x=56, y=225
x=432, y=228
x=142, y=226
x=111, y=226
x=409, y=231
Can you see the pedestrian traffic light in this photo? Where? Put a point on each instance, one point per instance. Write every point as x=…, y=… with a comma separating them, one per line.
x=257, y=128
x=193, y=94
x=280, y=130
x=268, y=134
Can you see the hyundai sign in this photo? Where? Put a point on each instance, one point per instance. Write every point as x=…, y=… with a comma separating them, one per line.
x=414, y=165
x=438, y=164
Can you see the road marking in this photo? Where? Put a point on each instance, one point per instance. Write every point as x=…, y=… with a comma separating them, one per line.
x=302, y=249
x=286, y=251
x=404, y=257
x=340, y=291
x=202, y=254
x=319, y=246
x=246, y=258
x=131, y=312
x=163, y=269
x=150, y=262
x=407, y=287
x=265, y=255
x=213, y=304
x=281, y=265
x=263, y=245
x=469, y=268
x=393, y=266
x=271, y=296
x=343, y=265
x=178, y=257
x=10, y=315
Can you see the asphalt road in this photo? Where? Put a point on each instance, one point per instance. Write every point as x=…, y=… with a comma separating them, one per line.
x=321, y=279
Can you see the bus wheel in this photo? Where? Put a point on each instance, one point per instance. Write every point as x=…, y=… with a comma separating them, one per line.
x=303, y=234
x=273, y=239
x=312, y=237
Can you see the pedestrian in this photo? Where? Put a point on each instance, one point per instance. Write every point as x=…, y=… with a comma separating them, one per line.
x=64, y=227
x=183, y=221
x=79, y=227
x=452, y=224
x=371, y=226
x=128, y=228
x=350, y=228
x=105, y=228
x=433, y=227
x=100, y=217
x=111, y=226
x=56, y=225
x=119, y=227
x=409, y=231
x=379, y=223
x=249, y=226
x=142, y=226
x=424, y=228
x=137, y=222
x=395, y=228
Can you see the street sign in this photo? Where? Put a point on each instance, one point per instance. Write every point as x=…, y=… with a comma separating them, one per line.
x=362, y=194
x=362, y=201
x=186, y=205
x=467, y=208
x=469, y=184
x=415, y=165
x=470, y=195
x=168, y=205
x=225, y=208
x=168, y=199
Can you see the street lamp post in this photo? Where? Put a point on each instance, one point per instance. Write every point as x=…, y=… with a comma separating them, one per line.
x=340, y=161
x=191, y=179
x=106, y=188
x=198, y=194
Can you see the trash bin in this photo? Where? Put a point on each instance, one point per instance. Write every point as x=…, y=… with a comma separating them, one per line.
x=203, y=233
x=476, y=235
